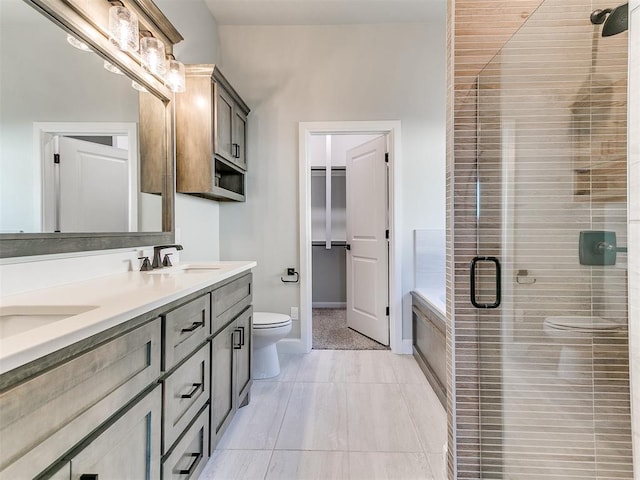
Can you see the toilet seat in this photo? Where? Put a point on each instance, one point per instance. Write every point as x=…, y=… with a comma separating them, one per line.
x=265, y=320
x=583, y=324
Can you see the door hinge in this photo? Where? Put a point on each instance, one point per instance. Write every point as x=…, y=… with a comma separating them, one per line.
x=387, y=311
x=56, y=158
x=386, y=157
x=386, y=234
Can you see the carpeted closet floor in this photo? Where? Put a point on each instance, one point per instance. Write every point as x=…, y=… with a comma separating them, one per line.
x=330, y=331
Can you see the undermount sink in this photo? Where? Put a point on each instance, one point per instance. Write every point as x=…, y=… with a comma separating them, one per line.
x=21, y=318
x=186, y=268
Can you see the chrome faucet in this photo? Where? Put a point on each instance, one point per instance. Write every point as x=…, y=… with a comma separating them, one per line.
x=157, y=261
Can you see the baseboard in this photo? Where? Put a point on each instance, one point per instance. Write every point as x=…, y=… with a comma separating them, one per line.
x=290, y=345
x=329, y=305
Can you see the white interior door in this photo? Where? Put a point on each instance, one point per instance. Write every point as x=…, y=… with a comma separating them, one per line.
x=367, y=258
x=94, y=193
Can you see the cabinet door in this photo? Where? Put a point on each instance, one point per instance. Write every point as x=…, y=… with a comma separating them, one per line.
x=129, y=449
x=239, y=136
x=223, y=123
x=243, y=357
x=222, y=381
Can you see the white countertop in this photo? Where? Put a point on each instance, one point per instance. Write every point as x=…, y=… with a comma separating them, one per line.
x=117, y=298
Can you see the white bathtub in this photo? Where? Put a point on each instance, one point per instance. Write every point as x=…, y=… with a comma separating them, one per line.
x=436, y=298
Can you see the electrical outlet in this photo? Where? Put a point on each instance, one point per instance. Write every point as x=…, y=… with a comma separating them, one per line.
x=294, y=313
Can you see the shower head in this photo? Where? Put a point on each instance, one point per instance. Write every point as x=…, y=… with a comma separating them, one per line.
x=616, y=20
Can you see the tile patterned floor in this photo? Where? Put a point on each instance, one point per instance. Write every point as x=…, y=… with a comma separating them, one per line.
x=336, y=414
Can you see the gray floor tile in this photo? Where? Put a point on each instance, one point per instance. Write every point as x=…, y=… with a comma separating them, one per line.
x=369, y=366
x=407, y=370
x=322, y=366
x=378, y=419
x=428, y=415
x=256, y=426
x=297, y=465
x=389, y=466
x=237, y=465
x=316, y=418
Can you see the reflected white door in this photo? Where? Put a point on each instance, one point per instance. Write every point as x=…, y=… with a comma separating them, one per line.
x=93, y=187
x=367, y=259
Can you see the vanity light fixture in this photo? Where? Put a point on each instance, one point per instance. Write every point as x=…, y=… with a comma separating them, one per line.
x=175, y=78
x=153, y=56
x=112, y=68
x=77, y=43
x=123, y=28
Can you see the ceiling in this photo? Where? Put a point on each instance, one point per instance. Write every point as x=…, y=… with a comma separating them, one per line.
x=323, y=12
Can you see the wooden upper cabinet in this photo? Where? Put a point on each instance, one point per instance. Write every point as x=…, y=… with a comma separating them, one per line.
x=152, y=134
x=211, y=122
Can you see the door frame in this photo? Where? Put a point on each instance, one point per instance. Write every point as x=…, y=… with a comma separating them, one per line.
x=42, y=130
x=393, y=131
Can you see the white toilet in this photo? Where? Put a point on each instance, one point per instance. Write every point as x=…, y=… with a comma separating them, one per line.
x=576, y=334
x=268, y=328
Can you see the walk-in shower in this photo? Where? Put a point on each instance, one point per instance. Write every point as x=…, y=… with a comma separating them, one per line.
x=549, y=120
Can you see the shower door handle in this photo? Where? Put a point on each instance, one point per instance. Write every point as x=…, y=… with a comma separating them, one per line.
x=472, y=280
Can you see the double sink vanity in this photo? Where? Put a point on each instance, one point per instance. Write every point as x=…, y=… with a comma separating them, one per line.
x=131, y=375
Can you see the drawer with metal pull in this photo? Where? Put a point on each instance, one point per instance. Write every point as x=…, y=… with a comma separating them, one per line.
x=185, y=392
x=191, y=453
x=185, y=328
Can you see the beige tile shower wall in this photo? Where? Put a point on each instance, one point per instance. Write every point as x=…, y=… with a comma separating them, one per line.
x=634, y=220
x=526, y=134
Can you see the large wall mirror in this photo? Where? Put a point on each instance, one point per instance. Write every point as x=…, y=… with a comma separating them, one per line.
x=86, y=160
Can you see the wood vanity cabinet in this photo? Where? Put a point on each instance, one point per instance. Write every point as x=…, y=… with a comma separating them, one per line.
x=149, y=398
x=231, y=353
x=44, y=416
x=211, y=130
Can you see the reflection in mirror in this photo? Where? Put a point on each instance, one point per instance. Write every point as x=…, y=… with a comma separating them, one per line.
x=51, y=92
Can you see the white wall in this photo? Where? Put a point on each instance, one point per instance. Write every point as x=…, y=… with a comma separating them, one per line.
x=197, y=219
x=328, y=73
x=634, y=224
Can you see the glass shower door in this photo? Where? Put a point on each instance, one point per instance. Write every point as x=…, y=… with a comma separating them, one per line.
x=551, y=211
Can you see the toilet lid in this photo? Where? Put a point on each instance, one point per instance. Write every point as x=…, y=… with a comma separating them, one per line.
x=584, y=323
x=270, y=320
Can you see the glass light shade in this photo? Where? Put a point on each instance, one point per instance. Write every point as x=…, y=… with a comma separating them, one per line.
x=123, y=29
x=138, y=87
x=175, y=78
x=153, y=57
x=112, y=68
x=77, y=43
